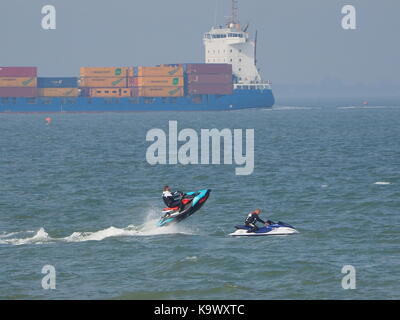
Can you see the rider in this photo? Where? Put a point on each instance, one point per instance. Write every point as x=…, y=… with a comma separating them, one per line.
x=171, y=199
x=252, y=219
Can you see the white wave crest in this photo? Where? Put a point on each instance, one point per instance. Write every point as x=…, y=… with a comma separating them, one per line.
x=382, y=183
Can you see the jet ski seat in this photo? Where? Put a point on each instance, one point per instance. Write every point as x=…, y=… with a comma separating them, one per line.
x=169, y=209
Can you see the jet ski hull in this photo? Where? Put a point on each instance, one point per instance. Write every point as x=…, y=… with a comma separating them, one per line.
x=197, y=200
x=277, y=229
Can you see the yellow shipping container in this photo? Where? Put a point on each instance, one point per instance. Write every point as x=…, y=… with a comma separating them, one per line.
x=162, y=71
x=110, y=92
x=158, y=92
x=17, y=82
x=156, y=82
x=59, y=92
x=106, y=72
x=111, y=82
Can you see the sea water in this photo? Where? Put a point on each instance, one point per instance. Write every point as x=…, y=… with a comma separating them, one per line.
x=79, y=195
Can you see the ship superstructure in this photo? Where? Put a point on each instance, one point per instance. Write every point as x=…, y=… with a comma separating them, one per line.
x=232, y=44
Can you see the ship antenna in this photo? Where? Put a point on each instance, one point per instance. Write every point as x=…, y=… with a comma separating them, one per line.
x=216, y=12
x=235, y=9
x=255, y=48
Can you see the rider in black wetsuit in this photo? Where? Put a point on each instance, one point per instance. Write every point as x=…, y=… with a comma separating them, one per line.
x=171, y=199
x=253, y=218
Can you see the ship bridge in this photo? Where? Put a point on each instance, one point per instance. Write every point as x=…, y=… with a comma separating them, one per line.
x=232, y=44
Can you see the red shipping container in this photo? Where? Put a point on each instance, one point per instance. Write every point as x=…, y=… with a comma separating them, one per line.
x=210, y=78
x=18, y=72
x=223, y=89
x=209, y=68
x=24, y=92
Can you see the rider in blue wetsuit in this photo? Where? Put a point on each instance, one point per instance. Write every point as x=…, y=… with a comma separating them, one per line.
x=253, y=218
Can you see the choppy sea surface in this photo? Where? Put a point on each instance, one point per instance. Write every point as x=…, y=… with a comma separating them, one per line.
x=78, y=194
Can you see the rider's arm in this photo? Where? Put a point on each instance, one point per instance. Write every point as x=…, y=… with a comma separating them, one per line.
x=177, y=195
x=260, y=220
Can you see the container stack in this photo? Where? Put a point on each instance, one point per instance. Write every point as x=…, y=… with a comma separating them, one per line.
x=160, y=81
x=58, y=87
x=105, y=81
x=18, y=82
x=213, y=78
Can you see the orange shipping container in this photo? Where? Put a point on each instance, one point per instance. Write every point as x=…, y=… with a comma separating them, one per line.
x=110, y=92
x=161, y=71
x=106, y=72
x=156, y=82
x=111, y=82
x=17, y=82
x=158, y=92
x=58, y=92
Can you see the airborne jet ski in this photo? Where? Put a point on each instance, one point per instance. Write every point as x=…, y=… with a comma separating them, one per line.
x=279, y=228
x=191, y=201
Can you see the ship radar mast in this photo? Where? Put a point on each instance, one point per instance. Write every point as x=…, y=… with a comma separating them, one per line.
x=234, y=18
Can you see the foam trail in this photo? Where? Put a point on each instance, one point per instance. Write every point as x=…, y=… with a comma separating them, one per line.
x=7, y=235
x=98, y=235
x=148, y=228
x=40, y=237
x=364, y=107
x=284, y=108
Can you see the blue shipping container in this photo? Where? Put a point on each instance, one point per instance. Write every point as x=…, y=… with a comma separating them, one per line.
x=57, y=82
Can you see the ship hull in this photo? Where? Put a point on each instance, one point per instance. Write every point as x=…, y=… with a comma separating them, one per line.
x=240, y=99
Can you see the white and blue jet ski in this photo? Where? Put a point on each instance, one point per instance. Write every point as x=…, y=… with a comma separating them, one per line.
x=275, y=229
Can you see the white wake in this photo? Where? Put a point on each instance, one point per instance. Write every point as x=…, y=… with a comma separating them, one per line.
x=149, y=228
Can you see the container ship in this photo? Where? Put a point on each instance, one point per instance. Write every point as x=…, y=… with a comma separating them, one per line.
x=228, y=79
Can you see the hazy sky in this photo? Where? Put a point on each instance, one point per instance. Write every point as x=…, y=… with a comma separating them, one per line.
x=300, y=41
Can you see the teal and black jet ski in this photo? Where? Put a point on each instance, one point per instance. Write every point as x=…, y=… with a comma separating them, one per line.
x=191, y=202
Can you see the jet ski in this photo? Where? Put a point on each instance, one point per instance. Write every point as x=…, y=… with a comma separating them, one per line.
x=274, y=229
x=191, y=201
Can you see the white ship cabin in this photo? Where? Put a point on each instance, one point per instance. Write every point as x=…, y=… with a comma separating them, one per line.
x=231, y=44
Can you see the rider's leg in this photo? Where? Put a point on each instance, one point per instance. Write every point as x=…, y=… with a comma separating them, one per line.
x=253, y=227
